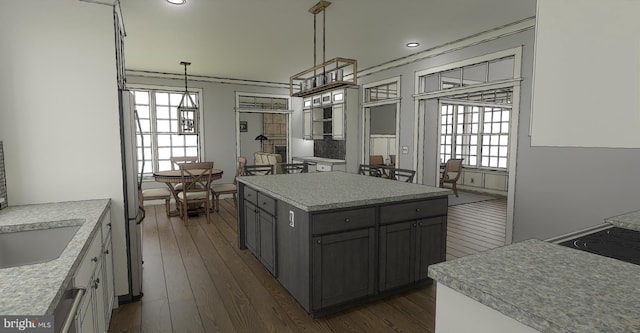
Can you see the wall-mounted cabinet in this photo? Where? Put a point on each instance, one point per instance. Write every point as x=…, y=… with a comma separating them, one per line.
x=324, y=115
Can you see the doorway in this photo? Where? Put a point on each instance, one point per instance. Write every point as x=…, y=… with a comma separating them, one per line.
x=263, y=124
x=380, y=120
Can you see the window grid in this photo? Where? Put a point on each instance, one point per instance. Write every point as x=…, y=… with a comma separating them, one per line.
x=158, y=114
x=495, y=138
x=382, y=92
x=470, y=75
x=462, y=135
x=446, y=133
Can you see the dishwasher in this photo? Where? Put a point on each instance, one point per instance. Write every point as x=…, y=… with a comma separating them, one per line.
x=65, y=312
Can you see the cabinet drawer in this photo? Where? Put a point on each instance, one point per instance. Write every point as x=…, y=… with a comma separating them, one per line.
x=343, y=220
x=413, y=210
x=250, y=195
x=267, y=203
x=323, y=167
x=89, y=262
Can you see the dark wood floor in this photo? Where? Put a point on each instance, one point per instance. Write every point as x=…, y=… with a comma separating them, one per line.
x=197, y=280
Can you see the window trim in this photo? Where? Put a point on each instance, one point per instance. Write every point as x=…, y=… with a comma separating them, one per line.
x=201, y=134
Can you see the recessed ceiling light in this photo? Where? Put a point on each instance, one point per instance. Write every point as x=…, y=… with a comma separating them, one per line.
x=177, y=2
x=413, y=44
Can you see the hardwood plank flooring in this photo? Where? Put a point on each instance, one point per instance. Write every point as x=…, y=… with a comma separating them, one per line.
x=196, y=279
x=476, y=227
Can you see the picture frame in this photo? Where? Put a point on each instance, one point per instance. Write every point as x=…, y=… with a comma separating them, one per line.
x=244, y=127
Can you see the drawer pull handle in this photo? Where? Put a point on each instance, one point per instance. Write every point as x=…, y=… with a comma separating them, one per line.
x=94, y=259
x=319, y=241
x=417, y=210
x=347, y=220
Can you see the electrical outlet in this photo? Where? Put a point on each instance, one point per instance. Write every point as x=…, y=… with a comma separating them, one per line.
x=292, y=222
x=405, y=149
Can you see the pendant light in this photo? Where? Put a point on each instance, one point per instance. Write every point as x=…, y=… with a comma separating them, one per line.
x=329, y=75
x=187, y=109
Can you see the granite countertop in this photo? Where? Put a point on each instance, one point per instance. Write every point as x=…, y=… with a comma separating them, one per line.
x=315, y=159
x=549, y=287
x=36, y=289
x=629, y=220
x=316, y=191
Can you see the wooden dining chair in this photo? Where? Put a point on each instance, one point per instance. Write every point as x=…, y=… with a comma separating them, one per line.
x=176, y=161
x=196, y=184
x=259, y=170
x=376, y=160
x=229, y=188
x=294, y=167
x=175, y=165
x=402, y=175
x=453, y=166
x=369, y=170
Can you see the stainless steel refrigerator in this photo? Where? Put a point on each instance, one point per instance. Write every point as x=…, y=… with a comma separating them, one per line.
x=132, y=180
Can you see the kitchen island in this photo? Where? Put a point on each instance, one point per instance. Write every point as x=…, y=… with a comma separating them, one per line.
x=336, y=239
x=537, y=286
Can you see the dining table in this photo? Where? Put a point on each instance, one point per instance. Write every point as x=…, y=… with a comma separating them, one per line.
x=172, y=177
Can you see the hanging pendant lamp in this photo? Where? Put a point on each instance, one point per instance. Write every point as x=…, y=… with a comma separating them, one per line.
x=187, y=109
x=330, y=74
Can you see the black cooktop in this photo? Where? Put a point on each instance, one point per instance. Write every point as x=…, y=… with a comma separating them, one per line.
x=617, y=243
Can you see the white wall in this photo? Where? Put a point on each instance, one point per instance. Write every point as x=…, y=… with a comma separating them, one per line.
x=59, y=111
x=587, y=74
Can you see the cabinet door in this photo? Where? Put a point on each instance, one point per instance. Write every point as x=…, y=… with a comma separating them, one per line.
x=337, y=119
x=267, y=241
x=108, y=278
x=85, y=318
x=430, y=245
x=99, y=303
x=397, y=254
x=343, y=267
x=251, y=227
x=307, y=121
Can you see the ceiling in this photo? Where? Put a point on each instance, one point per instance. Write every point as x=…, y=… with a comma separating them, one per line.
x=270, y=40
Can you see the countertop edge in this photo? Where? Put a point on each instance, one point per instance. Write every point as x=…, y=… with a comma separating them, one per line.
x=36, y=289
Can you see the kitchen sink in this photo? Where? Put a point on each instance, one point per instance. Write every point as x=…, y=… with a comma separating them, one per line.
x=35, y=246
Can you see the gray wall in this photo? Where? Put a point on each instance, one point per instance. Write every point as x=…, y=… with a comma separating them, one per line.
x=383, y=119
x=557, y=190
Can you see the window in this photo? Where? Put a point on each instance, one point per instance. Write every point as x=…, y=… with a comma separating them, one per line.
x=158, y=115
x=468, y=76
x=479, y=134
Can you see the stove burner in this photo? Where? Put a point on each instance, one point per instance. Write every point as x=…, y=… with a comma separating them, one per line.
x=617, y=243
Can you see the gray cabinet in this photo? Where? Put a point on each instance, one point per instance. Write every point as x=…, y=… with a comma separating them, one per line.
x=343, y=256
x=412, y=237
x=407, y=249
x=260, y=227
x=343, y=267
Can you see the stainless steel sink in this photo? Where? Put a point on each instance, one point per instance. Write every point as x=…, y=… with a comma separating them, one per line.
x=35, y=246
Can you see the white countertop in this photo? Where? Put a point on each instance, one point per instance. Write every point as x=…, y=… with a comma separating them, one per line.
x=316, y=191
x=36, y=289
